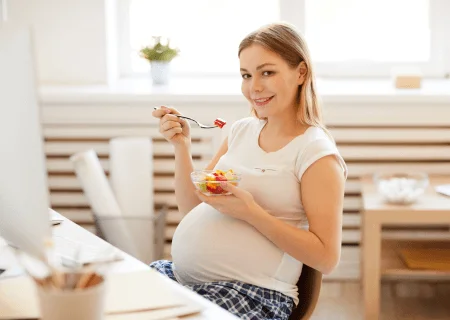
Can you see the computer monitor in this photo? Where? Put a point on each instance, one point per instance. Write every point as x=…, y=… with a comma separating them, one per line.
x=24, y=197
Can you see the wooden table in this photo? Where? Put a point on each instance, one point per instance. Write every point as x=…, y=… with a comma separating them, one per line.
x=379, y=256
x=74, y=232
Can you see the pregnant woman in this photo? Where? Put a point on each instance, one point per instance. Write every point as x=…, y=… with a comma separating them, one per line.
x=245, y=251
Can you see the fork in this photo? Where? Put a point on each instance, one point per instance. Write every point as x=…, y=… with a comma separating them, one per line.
x=187, y=118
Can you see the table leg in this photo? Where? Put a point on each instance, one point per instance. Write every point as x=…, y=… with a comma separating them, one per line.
x=371, y=268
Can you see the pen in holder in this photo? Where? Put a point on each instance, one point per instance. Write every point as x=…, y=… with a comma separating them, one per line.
x=71, y=293
x=74, y=296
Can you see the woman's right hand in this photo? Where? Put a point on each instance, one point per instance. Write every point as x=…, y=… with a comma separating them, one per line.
x=173, y=129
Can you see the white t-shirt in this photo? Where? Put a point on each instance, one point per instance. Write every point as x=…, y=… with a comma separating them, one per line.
x=210, y=246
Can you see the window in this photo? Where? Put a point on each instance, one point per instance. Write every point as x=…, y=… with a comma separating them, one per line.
x=206, y=32
x=350, y=37
x=346, y=37
x=367, y=31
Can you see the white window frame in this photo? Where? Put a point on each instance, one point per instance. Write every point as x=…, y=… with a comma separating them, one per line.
x=292, y=11
x=3, y=11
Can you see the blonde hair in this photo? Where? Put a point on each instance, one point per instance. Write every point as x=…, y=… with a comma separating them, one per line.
x=283, y=39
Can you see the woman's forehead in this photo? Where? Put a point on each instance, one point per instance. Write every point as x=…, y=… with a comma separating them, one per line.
x=256, y=55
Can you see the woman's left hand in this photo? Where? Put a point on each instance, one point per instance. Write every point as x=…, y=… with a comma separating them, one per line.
x=238, y=205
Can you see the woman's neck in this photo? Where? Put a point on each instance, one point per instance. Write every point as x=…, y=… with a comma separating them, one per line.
x=284, y=125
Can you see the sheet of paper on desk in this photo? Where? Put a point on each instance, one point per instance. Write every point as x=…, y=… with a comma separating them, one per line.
x=443, y=189
x=55, y=218
x=127, y=293
x=143, y=290
x=159, y=314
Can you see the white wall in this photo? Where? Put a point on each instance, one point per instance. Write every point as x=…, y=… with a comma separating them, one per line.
x=70, y=39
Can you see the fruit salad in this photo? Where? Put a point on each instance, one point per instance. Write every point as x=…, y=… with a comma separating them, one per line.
x=208, y=182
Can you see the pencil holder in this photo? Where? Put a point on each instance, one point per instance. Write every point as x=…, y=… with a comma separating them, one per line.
x=146, y=233
x=85, y=302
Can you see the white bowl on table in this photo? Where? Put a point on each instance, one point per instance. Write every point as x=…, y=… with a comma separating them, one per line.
x=401, y=188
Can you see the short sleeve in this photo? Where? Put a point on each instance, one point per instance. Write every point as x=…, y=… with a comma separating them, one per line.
x=316, y=150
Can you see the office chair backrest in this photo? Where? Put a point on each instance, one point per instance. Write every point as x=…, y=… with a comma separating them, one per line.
x=308, y=285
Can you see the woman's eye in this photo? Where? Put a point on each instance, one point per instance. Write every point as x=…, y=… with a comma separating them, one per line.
x=268, y=73
x=245, y=76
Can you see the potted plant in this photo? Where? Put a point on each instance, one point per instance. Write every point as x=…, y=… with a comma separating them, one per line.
x=159, y=55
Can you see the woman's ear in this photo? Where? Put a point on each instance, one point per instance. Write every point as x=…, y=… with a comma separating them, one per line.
x=303, y=71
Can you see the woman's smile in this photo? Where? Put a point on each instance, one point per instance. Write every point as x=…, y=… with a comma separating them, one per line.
x=260, y=102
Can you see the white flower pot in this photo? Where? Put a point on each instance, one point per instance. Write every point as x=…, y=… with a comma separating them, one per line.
x=159, y=71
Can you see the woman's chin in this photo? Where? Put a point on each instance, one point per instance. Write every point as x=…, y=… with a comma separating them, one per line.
x=261, y=112
x=260, y=115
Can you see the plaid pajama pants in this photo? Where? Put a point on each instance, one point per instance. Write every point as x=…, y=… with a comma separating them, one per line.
x=244, y=300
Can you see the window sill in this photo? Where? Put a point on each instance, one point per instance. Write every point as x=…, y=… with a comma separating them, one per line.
x=228, y=91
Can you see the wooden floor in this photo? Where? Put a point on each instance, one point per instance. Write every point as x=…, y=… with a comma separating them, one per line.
x=412, y=301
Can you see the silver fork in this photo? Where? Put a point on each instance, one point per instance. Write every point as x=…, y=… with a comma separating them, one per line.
x=187, y=118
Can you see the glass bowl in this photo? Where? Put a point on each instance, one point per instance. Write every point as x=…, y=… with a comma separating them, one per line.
x=208, y=181
x=401, y=188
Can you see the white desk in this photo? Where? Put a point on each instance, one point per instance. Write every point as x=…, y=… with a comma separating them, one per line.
x=74, y=232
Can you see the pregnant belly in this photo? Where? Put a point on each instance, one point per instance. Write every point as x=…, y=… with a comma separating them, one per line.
x=209, y=246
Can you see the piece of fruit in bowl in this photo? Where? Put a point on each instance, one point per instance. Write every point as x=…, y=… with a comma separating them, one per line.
x=208, y=181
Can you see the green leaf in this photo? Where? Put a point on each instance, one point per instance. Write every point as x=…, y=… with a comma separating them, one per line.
x=158, y=51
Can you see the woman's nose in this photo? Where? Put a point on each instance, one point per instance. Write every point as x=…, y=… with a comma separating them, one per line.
x=256, y=85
